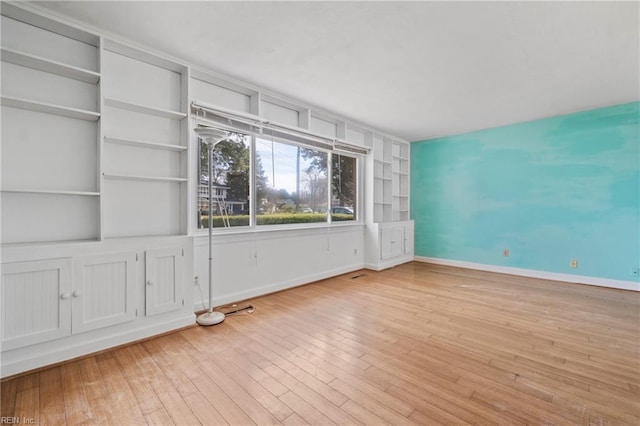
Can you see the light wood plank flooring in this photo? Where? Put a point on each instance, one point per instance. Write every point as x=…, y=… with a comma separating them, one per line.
x=417, y=344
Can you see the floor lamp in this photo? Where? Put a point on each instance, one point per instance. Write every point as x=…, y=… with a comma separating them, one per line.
x=211, y=137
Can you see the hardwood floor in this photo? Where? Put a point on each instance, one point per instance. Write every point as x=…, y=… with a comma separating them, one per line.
x=418, y=344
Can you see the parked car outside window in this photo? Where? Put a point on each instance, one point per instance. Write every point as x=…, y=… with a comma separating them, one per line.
x=341, y=210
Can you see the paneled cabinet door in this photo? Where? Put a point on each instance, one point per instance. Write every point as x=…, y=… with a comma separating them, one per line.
x=408, y=239
x=104, y=291
x=36, y=302
x=163, y=280
x=391, y=242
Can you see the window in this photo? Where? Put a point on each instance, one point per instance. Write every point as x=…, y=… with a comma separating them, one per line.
x=343, y=187
x=231, y=177
x=262, y=179
x=291, y=183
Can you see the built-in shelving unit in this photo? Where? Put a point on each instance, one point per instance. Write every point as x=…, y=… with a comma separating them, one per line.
x=145, y=150
x=51, y=113
x=390, y=180
x=400, y=181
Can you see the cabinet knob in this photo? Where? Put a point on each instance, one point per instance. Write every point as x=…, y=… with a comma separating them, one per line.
x=65, y=296
x=76, y=294
x=149, y=283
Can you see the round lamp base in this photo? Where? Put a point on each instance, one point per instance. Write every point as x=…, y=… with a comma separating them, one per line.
x=210, y=318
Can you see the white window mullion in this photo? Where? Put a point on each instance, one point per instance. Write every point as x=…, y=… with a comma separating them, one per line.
x=329, y=180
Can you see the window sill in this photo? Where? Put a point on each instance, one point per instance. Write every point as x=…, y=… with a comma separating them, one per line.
x=266, y=231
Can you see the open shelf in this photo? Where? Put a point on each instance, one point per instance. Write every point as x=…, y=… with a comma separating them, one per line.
x=143, y=178
x=50, y=108
x=42, y=64
x=166, y=113
x=50, y=191
x=391, y=179
x=146, y=144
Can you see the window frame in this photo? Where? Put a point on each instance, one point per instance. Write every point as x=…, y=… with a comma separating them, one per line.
x=253, y=203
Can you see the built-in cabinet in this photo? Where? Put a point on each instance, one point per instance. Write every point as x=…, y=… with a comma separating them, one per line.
x=94, y=192
x=163, y=273
x=388, y=244
x=103, y=291
x=391, y=242
x=36, y=302
x=44, y=300
x=389, y=231
x=90, y=297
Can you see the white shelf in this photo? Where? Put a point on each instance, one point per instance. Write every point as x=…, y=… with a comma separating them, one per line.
x=50, y=191
x=390, y=180
x=146, y=144
x=54, y=67
x=50, y=108
x=144, y=178
x=144, y=109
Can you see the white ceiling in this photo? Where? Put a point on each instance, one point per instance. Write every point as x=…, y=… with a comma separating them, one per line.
x=417, y=70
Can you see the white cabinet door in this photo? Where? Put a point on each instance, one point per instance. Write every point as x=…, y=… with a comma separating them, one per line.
x=391, y=242
x=408, y=238
x=36, y=302
x=104, y=290
x=163, y=280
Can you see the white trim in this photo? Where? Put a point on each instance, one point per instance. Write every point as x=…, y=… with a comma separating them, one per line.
x=273, y=232
x=555, y=276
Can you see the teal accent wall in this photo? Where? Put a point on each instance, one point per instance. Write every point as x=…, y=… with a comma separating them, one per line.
x=550, y=191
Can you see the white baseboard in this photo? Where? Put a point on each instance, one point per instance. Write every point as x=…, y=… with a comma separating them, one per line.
x=261, y=291
x=532, y=273
x=389, y=263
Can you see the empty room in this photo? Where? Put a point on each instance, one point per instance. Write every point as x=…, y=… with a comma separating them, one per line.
x=314, y=213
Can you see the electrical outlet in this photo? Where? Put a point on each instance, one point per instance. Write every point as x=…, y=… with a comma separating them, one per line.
x=195, y=281
x=573, y=263
x=505, y=252
x=355, y=251
x=635, y=272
